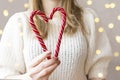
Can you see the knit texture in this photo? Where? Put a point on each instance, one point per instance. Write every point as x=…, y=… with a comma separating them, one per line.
x=77, y=54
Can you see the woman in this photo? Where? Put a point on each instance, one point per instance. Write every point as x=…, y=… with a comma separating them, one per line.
x=21, y=56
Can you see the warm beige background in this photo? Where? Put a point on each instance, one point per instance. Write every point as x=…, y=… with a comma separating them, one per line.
x=109, y=15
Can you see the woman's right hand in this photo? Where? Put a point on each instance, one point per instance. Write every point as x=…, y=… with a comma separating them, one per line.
x=40, y=68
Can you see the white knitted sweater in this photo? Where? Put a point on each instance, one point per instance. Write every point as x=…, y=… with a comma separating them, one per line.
x=78, y=56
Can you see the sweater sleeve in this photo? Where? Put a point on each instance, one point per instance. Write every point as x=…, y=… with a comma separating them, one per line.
x=99, y=48
x=11, y=49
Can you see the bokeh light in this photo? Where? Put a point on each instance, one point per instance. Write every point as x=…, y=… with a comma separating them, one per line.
x=10, y=1
x=98, y=52
x=116, y=54
x=101, y=29
x=119, y=17
x=118, y=39
x=97, y=20
x=111, y=25
x=89, y=2
x=100, y=75
x=112, y=5
x=117, y=68
x=26, y=5
x=5, y=13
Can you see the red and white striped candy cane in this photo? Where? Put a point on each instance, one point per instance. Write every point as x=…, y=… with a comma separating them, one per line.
x=46, y=19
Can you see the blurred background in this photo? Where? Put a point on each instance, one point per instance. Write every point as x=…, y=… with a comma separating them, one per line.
x=108, y=14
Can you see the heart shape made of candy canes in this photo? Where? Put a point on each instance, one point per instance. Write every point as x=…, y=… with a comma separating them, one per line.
x=46, y=19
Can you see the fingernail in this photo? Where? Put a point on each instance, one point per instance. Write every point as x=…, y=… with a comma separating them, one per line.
x=59, y=62
x=56, y=58
x=48, y=52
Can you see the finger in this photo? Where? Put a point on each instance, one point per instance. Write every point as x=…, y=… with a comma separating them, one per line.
x=43, y=65
x=40, y=58
x=47, y=71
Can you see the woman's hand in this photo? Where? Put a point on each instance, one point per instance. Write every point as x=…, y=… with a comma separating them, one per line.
x=40, y=68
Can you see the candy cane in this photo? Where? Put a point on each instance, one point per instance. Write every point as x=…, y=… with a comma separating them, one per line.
x=46, y=19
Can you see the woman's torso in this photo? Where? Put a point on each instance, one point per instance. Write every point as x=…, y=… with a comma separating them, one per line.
x=73, y=50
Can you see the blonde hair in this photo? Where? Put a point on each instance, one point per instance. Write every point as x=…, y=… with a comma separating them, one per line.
x=74, y=17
